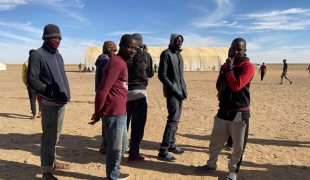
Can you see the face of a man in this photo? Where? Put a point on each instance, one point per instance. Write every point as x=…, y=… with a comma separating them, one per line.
x=129, y=50
x=284, y=61
x=178, y=43
x=238, y=49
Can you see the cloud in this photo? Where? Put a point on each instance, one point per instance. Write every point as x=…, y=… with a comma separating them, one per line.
x=35, y=32
x=220, y=24
x=118, y=33
x=10, y=4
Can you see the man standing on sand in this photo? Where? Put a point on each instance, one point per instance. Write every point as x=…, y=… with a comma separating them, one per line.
x=234, y=109
x=31, y=93
x=47, y=76
x=262, y=71
x=308, y=69
x=170, y=73
x=108, y=51
x=80, y=67
x=110, y=104
x=284, y=72
x=140, y=69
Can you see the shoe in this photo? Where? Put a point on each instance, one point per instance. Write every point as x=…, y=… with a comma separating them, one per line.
x=204, y=168
x=166, y=157
x=243, y=154
x=280, y=83
x=227, y=147
x=39, y=116
x=291, y=82
x=231, y=176
x=136, y=159
x=33, y=117
x=122, y=176
x=176, y=150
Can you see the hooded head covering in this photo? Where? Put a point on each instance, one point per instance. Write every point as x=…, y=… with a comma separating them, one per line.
x=173, y=37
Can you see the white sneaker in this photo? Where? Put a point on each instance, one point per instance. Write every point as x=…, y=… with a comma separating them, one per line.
x=231, y=176
x=123, y=176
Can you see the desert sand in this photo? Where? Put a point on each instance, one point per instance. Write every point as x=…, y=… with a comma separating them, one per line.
x=278, y=145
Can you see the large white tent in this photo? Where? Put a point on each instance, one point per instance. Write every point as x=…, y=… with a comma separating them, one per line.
x=195, y=58
x=2, y=66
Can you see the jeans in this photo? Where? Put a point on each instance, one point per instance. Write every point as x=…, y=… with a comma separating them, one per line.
x=32, y=97
x=174, y=107
x=117, y=140
x=103, y=144
x=52, y=120
x=137, y=113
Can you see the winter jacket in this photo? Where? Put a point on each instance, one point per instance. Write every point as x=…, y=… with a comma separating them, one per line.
x=100, y=63
x=170, y=72
x=140, y=69
x=47, y=76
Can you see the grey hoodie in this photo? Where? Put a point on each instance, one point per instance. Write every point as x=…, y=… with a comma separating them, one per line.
x=173, y=37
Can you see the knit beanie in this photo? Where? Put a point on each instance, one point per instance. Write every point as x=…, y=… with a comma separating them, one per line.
x=51, y=30
x=138, y=38
x=109, y=46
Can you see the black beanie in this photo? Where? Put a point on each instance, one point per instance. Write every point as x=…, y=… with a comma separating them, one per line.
x=138, y=38
x=51, y=30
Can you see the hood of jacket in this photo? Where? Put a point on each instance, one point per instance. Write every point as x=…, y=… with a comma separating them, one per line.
x=173, y=37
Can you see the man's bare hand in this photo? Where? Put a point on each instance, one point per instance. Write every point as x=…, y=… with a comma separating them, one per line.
x=229, y=62
x=95, y=118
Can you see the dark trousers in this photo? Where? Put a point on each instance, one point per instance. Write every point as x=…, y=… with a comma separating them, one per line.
x=32, y=97
x=262, y=74
x=136, y=114
x=174, y=107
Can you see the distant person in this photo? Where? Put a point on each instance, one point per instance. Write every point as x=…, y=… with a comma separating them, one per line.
x=31, y=93
x=284, y=72
x=155, y=67
x=170, y=73
x=85, y=69
x=262, y=70
x=110, y=105
x=234, y=109
x=308, y=69
x=47, y=76
x=140, y=69
x=92, y=69
x=88, y=69
x=80, y=67
x=108, y=51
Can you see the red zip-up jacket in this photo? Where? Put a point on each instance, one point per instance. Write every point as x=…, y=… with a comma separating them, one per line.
x=111, y=96
x=236, y=97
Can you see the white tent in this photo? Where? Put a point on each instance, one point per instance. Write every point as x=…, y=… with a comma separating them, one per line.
x=195, y=58
x=2, y=66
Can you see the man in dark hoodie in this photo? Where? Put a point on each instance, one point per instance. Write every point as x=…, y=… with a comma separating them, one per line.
x=234, y=109
x=170, y=73
x=46, y=75
x=108, y=51
x=140, y=69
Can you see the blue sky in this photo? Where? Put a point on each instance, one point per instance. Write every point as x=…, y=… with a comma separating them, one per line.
x=273, y=29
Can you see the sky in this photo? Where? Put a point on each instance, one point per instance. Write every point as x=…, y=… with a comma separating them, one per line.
x=274, y=29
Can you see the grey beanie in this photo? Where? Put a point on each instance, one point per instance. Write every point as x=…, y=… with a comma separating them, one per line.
x=138, y=38
x=51, y=30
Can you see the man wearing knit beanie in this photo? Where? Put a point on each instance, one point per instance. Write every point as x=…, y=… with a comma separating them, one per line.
x=108, y=51
x=47, y=76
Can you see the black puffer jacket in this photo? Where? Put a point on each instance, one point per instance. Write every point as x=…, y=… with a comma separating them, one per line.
x=170, y=73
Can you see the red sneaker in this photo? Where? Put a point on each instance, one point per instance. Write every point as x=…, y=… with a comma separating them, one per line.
x=136, y=159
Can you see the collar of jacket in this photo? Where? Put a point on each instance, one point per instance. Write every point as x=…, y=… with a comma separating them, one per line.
x=48, y=49
x=173, y=50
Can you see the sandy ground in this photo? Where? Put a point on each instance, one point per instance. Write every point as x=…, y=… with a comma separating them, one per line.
x=278, y=146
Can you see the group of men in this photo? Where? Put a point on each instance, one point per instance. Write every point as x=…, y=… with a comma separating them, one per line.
x=121, y=100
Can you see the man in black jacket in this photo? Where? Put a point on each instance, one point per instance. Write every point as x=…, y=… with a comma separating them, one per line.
x=108, y=51
x=46, y=75
x=170, y=73
x=140, y=69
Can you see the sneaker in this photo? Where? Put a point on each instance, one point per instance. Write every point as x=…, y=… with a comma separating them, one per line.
x=166, y=157
x=39, y=116
x=122, y=176
x=280, y=83
x=291, y=82
x=243, y=154
x=231, y=176
x=227, y=147
x=33, y=117
x=204, y=168
x=136, y=159
x=103, y=150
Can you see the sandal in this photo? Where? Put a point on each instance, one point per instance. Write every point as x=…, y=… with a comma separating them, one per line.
x=58, y=165
x=166, y=157
x=49, y=177
x=176, y=150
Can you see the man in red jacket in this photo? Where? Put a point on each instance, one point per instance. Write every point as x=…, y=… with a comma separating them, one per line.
x=234, y=112
x=262, y=71
x=110, y=104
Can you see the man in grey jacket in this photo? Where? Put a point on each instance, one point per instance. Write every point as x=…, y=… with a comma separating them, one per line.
x=170, y=73
x=47, y=76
